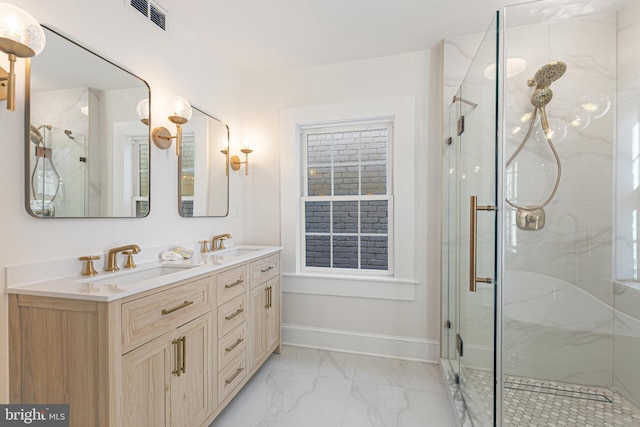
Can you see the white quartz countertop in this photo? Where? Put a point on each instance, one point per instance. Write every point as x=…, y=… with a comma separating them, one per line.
x=110, y=286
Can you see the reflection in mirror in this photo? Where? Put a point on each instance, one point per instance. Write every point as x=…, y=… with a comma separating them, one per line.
x=87, y=152
x=203, y=171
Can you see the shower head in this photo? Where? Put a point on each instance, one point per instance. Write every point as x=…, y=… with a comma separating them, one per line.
x=541, y=97
x=543, y=78
x=69, y=134
x=34, y=135
x=549, y=73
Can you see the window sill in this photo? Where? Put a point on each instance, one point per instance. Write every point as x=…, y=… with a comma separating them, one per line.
x=386, y=287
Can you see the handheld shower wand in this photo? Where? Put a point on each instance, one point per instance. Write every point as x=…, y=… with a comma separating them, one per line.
x=532, y=217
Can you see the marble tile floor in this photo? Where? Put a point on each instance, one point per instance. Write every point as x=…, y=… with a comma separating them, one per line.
x=304, y=387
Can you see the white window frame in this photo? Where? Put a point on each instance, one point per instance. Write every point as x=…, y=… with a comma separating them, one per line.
x=136, y=143
x=361, y=125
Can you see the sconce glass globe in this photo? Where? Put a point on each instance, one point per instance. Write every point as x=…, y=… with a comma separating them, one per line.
x=179, y=110
x=20, y=33
x=143, y=111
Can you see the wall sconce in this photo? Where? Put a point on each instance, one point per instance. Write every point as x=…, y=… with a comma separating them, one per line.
x=179, y=112
x=21, y=36
x=143, y=111
x=235, y=160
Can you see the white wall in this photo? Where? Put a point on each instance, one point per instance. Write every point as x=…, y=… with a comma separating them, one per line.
x=352, y=323
x=172, y=63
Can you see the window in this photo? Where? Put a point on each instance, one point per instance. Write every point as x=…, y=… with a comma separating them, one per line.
x=188, y=173
x=141, y=176
x=346, y=197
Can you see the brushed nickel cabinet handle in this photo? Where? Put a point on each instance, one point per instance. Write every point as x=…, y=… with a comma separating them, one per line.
x=184, y=354
x=177, y=354
x=234, y=376
x=234, y=345
x=236, y=283
x=271, y=267
x=231, y=316
x=473, y=241
x=171, y=310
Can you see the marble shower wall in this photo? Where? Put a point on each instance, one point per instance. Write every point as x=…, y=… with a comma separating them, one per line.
x=627, y=289
x=575, y=245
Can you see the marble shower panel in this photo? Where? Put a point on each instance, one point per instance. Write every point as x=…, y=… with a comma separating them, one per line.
x=576, y=244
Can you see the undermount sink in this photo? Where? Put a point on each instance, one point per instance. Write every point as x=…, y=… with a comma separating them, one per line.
x=134, y=276
x=236, y=252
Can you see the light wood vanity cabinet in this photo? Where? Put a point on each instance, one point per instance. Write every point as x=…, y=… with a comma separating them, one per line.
x=173, y=356
x=264, y=302
x=166, y=380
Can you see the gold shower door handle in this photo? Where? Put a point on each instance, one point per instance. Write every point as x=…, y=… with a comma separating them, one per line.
x=473, y=240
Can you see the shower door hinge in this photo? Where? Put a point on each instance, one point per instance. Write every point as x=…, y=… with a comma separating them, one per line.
x=449, y=140
x=459, y=345
x=456, y=378
x=460, y=125
x=448, y=324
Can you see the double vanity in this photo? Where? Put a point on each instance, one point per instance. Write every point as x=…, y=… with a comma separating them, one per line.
x=168, y=343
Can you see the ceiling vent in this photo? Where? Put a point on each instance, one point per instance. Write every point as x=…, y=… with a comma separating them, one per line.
x=151, y=11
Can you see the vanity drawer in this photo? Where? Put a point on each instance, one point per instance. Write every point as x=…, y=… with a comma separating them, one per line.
x=231, y=345
x=264, y=269
x=149, y=317
x=231, y=376
x=232, y=314
x=231, y=283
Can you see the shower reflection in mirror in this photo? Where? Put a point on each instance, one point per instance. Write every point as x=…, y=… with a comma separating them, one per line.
x=57, y=149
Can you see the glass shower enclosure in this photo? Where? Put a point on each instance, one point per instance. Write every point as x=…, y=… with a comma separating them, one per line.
x=540, y=201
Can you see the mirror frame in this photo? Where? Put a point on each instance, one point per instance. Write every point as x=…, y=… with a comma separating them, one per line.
x=180, y=211
x=27, y=124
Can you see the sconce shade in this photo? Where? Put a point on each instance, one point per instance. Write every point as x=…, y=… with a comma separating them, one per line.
x=143, y=111
x=20, y=34
x=179, y=110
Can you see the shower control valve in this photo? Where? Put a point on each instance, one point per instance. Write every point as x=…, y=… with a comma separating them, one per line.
x=533, y=220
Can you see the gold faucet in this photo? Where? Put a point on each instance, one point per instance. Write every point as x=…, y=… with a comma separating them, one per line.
x=112, y=265
x=217, y=242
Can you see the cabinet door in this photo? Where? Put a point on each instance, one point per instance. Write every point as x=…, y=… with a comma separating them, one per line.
x=272, y=312
x=257, y=324
x=191, y=391
x=146, y=382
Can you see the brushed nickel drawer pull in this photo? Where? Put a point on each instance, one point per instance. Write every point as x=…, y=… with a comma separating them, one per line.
x=171, y=310
x=234, y=376
x=267, y=269
x=236, y=283
x=238, y=311
x=234, y=345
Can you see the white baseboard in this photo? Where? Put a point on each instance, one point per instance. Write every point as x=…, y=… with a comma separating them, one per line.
x=393, y=346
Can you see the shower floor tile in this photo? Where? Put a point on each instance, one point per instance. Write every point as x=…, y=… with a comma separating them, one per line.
x=539, y=403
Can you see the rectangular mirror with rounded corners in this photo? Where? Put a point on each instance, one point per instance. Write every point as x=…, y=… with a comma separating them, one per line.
x=87, y=152
x=203, y=167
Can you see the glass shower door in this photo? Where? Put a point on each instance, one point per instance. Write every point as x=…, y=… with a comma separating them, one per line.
x=477, y=136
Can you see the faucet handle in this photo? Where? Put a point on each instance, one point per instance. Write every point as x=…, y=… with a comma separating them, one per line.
x=129, y=261
x=203, y=246
x=88, y=269
x=221, y=244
